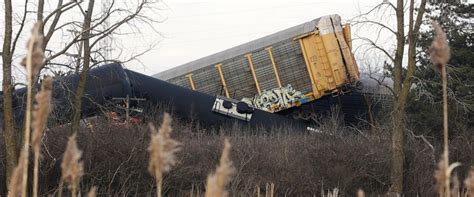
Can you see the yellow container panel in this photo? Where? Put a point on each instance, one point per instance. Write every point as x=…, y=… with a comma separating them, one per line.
x=346, y=29
x=353, y=68
x=326, y=64
x=332, y=74
x=335, y=58
x=318, y=68
x=351, y=65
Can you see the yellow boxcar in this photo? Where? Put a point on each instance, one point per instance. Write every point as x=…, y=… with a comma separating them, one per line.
x=286, y=69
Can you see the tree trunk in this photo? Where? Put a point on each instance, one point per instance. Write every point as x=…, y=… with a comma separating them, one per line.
x=85, y=69
x=8, y=122
x=398, y=143
x=398, y=155
x=401, y=87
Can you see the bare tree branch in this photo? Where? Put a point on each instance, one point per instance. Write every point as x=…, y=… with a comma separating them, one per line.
x=374, y=9
x=374, y=45
x=120, y=23
x=60, y=8
x=22, y=25
x=39, y=13
x=376, y=23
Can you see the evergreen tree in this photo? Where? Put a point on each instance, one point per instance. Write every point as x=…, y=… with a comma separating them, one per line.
x=424, y=109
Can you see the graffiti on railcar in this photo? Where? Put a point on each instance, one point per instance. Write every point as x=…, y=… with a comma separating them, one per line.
x=277, y=99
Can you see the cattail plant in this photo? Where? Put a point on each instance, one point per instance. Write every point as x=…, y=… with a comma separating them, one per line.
x=15, y=186
x=71, y=167
x=269, y=189
x=439, y=52
x=455, y=190
x=257, y=188
x=469, y=182
x=92, y=192
x=216, y=182
x=40, y=118
x=333, y=193
x=162, y=151
x=33, y=62
x=360, y=193
x=441, y=176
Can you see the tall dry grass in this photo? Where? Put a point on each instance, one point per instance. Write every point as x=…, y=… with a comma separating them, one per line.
x=71, y=167
x=217, y=181
x=92, y=192
x=115, y=159
x=440, y=54
x=40, y=119
x=37, y=120
x=360, y=193
x=469, y=183
x=162, y=151
x=15, y=187
x=33, y=62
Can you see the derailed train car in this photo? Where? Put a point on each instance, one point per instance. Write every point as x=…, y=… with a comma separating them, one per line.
x=112, y=81
x=273, y=81
x=282, y=71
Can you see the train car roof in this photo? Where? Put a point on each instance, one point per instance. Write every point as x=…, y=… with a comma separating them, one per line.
x=243, y=49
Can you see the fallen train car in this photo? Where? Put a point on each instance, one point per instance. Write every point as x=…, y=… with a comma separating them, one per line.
x=111, y=81
x=282, y=72
x=282, y=79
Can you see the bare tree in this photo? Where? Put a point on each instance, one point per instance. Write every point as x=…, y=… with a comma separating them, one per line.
x=85, y=67
x=9, y=46
x=89, y=34
x=402, y=71
x=8, y=124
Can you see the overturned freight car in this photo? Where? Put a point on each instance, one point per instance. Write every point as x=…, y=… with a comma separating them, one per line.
x=111, y=81
x=280, y=71
x=272, y=81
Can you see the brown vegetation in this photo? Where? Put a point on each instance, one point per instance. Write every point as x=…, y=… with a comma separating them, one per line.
x=115, y=160
x=72, y=169
x=287, y=161
x=439, y=52
x=216, y=183
x=162, y=151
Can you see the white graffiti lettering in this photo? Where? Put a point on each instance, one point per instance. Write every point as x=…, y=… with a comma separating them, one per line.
x=276, y=99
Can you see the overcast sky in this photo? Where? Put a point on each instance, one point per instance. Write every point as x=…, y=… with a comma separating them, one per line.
x=195, y=29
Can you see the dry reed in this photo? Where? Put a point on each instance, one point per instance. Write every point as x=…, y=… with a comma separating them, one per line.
x=441, y=176
x=15, y=186
x=40, y=115
x=333, y=193
x=360, y=193
x=216, y=182
x=269, y=189
x=439, y=50
x=33, y=63
x=71, y=167
x=92, y=192
x=469, y=182
x=455, y=190
x=162, y=151
x=257, y=188
x=40, y=118
x=440, y=54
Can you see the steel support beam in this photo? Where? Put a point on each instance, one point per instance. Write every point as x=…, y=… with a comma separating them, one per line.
x=224, y=84
x=277, y=76
x=190, y=80
x=254, y=75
